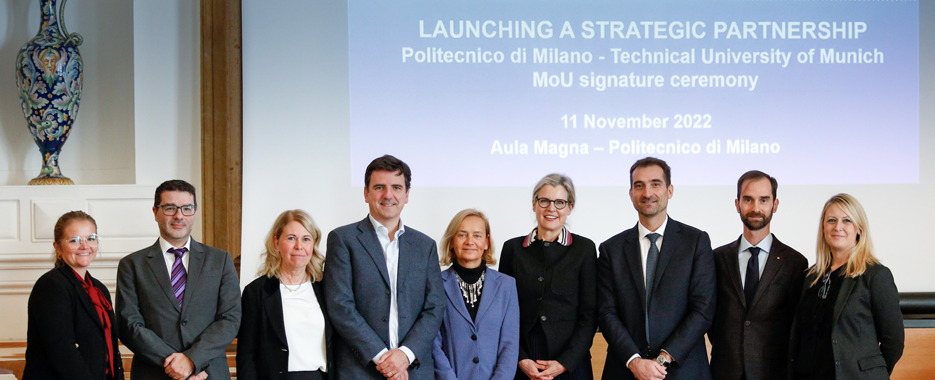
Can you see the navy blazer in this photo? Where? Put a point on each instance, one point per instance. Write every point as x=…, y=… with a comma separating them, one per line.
x=485, y=348
x=65, y=338
x=680, y=311
x=867, y=332
x=358, y=293
x=262, y=349
x=753, y=340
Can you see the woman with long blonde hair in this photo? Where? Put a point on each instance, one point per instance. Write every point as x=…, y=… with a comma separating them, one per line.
x=848, y=324
x=285, y=331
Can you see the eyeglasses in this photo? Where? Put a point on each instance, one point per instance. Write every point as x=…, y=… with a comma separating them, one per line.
x=170, y=210
x=75, y=242
x=545, y=202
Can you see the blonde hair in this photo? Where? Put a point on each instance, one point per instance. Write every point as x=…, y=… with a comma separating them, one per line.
x=58, y=232
x=555, y=180
x=448, y=252
x=272, y=258
x=861, y=255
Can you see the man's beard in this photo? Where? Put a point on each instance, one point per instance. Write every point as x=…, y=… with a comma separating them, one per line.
x=756, y=225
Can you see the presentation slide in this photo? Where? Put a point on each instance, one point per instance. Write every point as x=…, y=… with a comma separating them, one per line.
x=483, y=98
x=589, y=87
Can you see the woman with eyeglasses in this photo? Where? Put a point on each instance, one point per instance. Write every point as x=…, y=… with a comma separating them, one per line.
x=284, y=331
x=70, y=333
x=479, y=336
x=555, y=280
x=848, y=324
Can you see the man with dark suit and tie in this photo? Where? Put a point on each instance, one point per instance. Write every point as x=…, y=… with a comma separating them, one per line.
x=655, y=288
x=759, y=282
x=178, y=301
x=383, y=285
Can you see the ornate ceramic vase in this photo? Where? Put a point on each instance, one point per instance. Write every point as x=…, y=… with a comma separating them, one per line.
x=49, y=77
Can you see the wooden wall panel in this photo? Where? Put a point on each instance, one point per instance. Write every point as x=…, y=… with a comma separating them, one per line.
x=221, y=124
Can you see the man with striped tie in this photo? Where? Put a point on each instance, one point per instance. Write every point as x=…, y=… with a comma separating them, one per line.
x=178, y=301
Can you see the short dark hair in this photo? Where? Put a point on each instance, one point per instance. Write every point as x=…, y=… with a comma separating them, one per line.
x=652, y=161
x=755, y=175
x=390, y=164
x=175, y=185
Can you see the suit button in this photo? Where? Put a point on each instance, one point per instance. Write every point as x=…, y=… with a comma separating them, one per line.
x=834, y=341
x=837, y=364
x=539, y=299
x=541, y=279
x=385, y=319
x=476, y=360
x=473, y=336
x=184, y=323
x=747, y=323
x=387, y=292
x=542, y=318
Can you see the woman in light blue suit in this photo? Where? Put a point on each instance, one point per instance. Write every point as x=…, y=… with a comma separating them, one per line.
x=479, y=336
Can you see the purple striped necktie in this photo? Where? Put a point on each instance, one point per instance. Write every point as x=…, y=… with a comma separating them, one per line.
x=178, y=274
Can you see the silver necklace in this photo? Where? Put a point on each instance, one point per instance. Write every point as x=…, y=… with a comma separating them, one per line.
x=297, y=287
x=471, y=292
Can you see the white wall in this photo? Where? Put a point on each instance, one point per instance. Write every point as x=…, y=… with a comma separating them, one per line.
x=300, y=158
x=146, y=129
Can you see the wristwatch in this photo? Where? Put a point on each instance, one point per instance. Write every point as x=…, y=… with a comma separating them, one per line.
x=661, y=360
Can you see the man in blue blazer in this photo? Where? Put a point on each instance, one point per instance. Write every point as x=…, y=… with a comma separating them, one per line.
x=658, y=277
x=383, y=285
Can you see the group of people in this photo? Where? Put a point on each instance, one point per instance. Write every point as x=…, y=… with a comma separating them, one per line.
x=378, y=305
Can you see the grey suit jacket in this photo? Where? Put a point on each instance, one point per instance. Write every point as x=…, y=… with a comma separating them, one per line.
x=754, y=339
x=867, y=334
x=358, y=294
x=151, y=323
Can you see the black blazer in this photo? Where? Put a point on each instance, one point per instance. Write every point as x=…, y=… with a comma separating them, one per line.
x=755, y=339
x=262, y=350
x=681, y=308
x=867, y=333
x=566, y=307
x=65, y=338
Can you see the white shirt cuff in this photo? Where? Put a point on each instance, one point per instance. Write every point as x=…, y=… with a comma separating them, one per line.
x=409, y=354
x=635, y=356
x=376, y=359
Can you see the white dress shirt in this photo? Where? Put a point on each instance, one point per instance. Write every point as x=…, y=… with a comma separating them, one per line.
x=391, y=252
x=170, y=257
x=743, y=255
x=644, y=253
x=305, y=328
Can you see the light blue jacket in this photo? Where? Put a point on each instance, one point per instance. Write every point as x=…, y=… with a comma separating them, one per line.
x=487, y=348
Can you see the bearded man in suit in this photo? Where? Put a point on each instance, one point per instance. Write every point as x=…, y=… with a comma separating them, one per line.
x=759, y=282
x=655, y=287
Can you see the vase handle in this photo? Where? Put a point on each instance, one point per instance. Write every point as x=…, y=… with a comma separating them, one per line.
x=74, y=39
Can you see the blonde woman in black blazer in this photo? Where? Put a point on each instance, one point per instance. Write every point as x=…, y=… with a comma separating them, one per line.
x=292, y=271
x=848, y=324
x=555, y=273
x=72, y=332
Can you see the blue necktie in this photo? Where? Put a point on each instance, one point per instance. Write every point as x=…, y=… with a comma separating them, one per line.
x=753, y=276
x=650, y=270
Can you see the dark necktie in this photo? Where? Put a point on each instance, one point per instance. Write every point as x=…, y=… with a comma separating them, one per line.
x=650, y=270
x=178, y=275
x=753, y=275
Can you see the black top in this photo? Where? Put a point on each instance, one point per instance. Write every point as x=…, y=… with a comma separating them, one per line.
x=556, y=288
x=470, y=276
x=815, y=359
